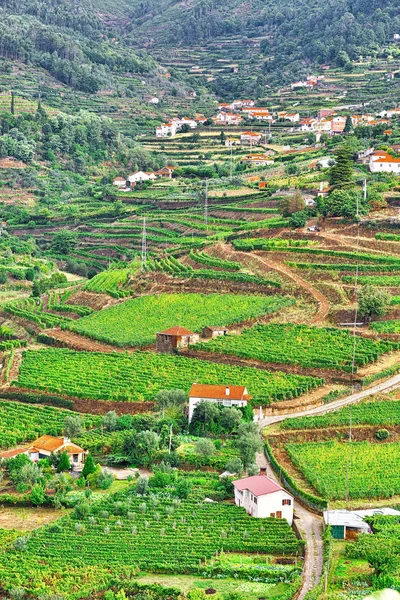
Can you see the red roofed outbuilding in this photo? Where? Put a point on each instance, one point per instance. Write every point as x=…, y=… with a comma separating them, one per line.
x=173, y=339
x=262, y=497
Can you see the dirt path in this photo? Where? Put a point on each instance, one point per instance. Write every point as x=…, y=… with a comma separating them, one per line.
x=322, y=301
x=310, y=527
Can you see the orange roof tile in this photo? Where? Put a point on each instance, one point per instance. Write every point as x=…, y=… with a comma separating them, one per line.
x=218, y=392
x=11, y=453
x=177, y=331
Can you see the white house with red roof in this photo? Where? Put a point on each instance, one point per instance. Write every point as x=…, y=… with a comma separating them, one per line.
x=262, y=497
x=382, y=162
x=226, y=395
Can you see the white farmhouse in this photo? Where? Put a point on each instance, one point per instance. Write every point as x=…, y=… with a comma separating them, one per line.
x=382, y=162
x=119, y=182
x=166, y=130
x=233, y=395
x=141, y=176
x=262, y=497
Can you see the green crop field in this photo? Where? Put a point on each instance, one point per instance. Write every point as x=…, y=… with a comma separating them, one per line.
x=125, y=533
x=24, y=422
x=385, y=412
x=136, y=321
x=140, y=375
x=302, y=345
x=386, y=326
x=373, y=469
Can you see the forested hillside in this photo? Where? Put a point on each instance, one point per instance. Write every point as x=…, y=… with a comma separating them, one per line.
x=293, y=34
x=68, y=40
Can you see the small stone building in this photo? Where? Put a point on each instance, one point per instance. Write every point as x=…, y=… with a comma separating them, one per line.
x=212, y=332
x=173, y=339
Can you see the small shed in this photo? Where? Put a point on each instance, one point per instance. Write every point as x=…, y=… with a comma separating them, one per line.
x=346, y=524
x=173, y=339
x=213, y=332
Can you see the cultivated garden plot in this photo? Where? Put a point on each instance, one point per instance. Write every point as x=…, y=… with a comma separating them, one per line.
x=126, y=533
x=136, y=321
x=373, y=469
x=140, y=375
x=327, y=348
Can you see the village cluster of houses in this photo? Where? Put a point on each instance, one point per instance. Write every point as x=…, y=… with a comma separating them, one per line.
x=329, y=122
x=175, y=125
x=125, y=184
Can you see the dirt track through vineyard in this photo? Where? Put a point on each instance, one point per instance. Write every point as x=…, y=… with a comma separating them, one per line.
x=322, y=301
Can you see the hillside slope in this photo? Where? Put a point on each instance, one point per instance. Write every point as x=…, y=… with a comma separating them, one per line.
x=294, y=35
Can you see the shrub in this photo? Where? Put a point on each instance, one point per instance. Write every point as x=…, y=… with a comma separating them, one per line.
x=382, y=434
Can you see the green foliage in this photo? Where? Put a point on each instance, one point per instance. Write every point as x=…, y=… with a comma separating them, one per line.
x=372, y=302
x=64, y=241
x=382, y=434
x=300, y=344
x=343, y=203
x=291, y=204
x=124, y=324
x=366, y=413
x=140, y=375
x=63, y=463
x=89, y=467
x=342, y=172
x=374, y=470
x=73, y=426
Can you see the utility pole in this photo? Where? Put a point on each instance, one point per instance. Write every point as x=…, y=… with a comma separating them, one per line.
x=206, y=205
x=144, y=246
x=170, y=440
x=231, y=170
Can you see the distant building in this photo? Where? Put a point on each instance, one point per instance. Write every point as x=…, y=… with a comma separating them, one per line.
x=166, y=130
x=213, y=332
x=47, y=445
x=173, y=339
x=166, y=172
x=120, y=182
x=338, y=124
x=382, y=162
x=225, y=395
x=250, y=138
x=262, y=497
x=141, y=176
x=257, y=160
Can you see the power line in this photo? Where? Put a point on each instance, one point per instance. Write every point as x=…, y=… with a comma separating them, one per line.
x=206, y=205
x=144, y=246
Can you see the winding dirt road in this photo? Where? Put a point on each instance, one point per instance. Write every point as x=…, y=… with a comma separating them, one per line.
x=322, y=301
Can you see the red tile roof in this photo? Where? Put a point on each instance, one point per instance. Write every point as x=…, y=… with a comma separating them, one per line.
x=257, y=485
x=218, y=392
x=177, y=331
x=11, y=453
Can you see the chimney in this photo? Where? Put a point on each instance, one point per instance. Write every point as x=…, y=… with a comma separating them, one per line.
x=227, y=391
x=66, y=440
x=263, y=470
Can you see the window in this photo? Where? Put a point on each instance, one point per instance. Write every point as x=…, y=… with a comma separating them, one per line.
x=286, y=502
x=75, y=457
x=255, y=500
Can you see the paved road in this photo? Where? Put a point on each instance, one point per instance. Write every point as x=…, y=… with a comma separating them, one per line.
x=384, y=387
x=309, y=524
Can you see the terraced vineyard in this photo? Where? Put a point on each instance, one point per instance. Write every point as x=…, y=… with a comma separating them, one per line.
x=382, y=412
x=139, y=376
x=373, y=469
x=118, y=538
x=135, y=322
x=23, y=422
x=300, y=345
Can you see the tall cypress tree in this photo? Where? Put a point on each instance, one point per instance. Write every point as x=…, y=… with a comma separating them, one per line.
x=342, y=172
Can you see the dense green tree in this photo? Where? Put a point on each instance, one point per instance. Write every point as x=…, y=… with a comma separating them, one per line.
x=292, y=204
x=342, y=172
x=63, y=463
x=64, y=241
x=372, y=302
x=89, y=467
x=73, y=426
